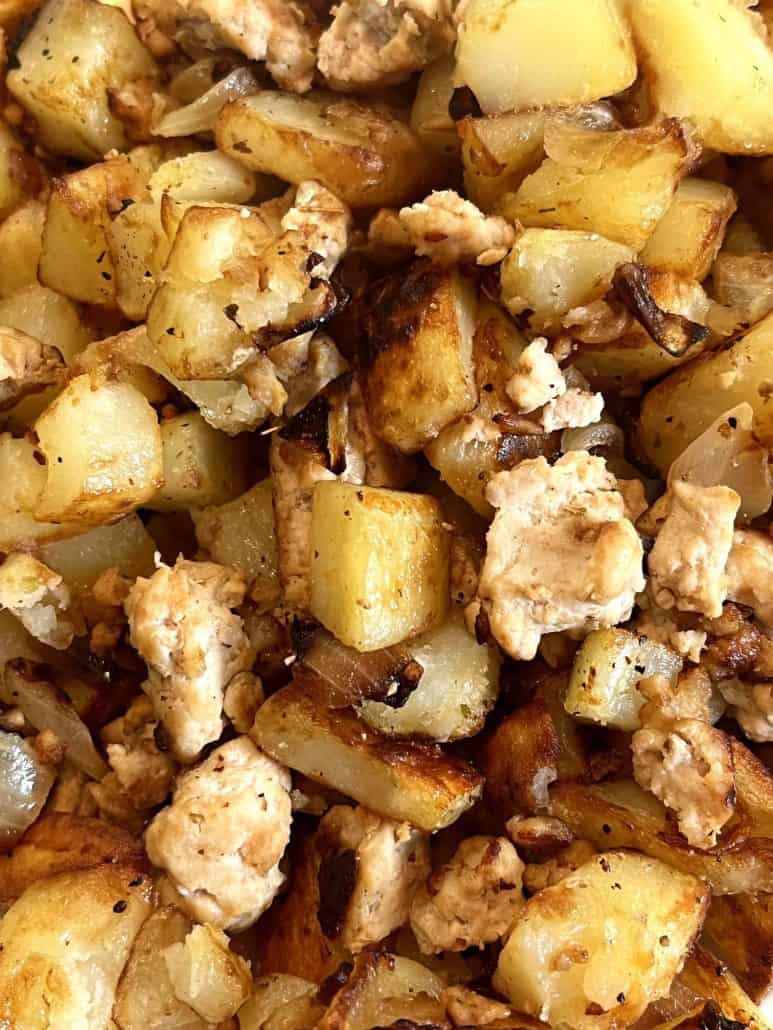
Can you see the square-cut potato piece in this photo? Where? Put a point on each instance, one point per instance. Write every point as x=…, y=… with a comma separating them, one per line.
x=379, y=564
x=618, y=184
x=688, y=236
x=20, y=241
x=498, y=153
x=22, y=480
x=241, y=533
x=419, y=374
x=201, y=465
x=367, y=156
x=739, y=930
x=721, y=80
x=611, y=937
x=399, y=779
x=102, y=446
x=19, y=172
x=81, y=560
x=75, y=52
x=519, y=54
x=744, y=282
x=64, y=943
x=430, y=119
x=678, y=409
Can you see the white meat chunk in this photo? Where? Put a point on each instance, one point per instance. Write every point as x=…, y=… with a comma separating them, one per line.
x=537, y=379
x=144, y=772
x=471, y=901
x=750, y=573
x=752, y=707
x=560, y=553
x=221, y=839
x=39, y=598
x=449, y=230
x=180, y=621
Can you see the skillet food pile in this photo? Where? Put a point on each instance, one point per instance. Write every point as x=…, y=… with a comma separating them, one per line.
x=386, y=568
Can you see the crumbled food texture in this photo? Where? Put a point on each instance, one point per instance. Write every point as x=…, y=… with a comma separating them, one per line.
x=449, y=230
x=322, y=222
x=282, y=33
x=691, y=697
x=206, y=975
x=750, y=573
x=221, y=839
x=69, y=793
x=243, y=697
x=468, y=1008
x=465, y=568
x=538, y=834
x=688, y=765
x=49, y=748
x=574, y=409
x=322, y=364
x=39, y=598
x=752, y=707
x=181, y=623
x=114, y=805
x=390, y=860
x=471, y=901
x=662, y=627
x=634, y=498
x=112, y=587
x=560, y=554
x=26, y=366
x=263, y=384
x=145, y=772
x=688, y=561
x=537, y=378
x=380, y=42
x=537, y=876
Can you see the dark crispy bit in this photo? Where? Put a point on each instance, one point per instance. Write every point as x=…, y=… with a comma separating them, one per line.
x=674, y=333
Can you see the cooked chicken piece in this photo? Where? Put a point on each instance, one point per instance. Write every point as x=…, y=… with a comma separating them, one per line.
x=734, y=646
x=752, y=707
x=206, y=975
x=448, y=229
x=26, y=366
x=688, y=765
x=181, y=623
x=322, y=222
x=263, y=385
x=661, y=626
x=560, y=555
x=112, y=588
x=221, y=839
x=471, y=901
x=634, y=498
x=379, y=42
x=115, y=806
x=537, y=378
x=282, y=33
x=145, y=773
x=750, y=573
x=320, y=363
x=692, y=697
x=69, y=794
x=243, y=697
x=547, y=874
x=369, y=870
x=687, y=563
x=572, y=410
x=39, y=598
x=468, y=1008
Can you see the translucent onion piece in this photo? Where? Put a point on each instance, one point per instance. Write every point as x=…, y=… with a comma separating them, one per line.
x=47, y=709
x=24, y=785
x=350, y=676
x=728, y=454
x=200, y=116
x=604, y=433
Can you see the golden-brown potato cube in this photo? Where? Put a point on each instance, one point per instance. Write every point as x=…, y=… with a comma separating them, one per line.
x=744, y=282
x=396, y=778
x=520, y=760
x=366, y=155
x=273, y=996
x=82, y=559
x=688, y=236
x=102, y=445
x=550, y=271
x=430, y=119
x=22, y=480
x=739, y=930
x=498, y=153
x=241, y=534
x=418, y=354
x=379, y=568
x=677, y=410
x=19, y=173
x=48, y=316
x=65, y=943
x=20, y=240
x=519, y=54
x=75, y=51
x=703, y=976
x=201, y=465
x=722, y=82
x=618, y=184
x=597, y=948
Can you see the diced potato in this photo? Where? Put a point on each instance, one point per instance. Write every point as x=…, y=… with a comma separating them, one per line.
x=745, y=283
x=572, y=760
x=271, y=997
x=22, y=481
x=74, y=52
x=241, y=534
x=611, y=937
x=722, y=82
x=739, y=931
x=502, y=48
x=367, y=156
x=498, y=153
x=205, y=974
x=379, y=569
x=458, y=687
x=603, y=687
x=203, y=176
x=677, y=410
x=19, y=174
x=688, y=236
x=520, y=759
x=550, y=271
x=75, y=258
x=201, y=465
x=618, y=184
x=102, y=445
x=419, y=372
x=48, y=316
x=20, y=241
x=81, y=560
x=430, y=119
x=398, y=779
x=742, y=237
x=704, y=977
x=619, y=814
x=64, y=944
x=115, y=356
